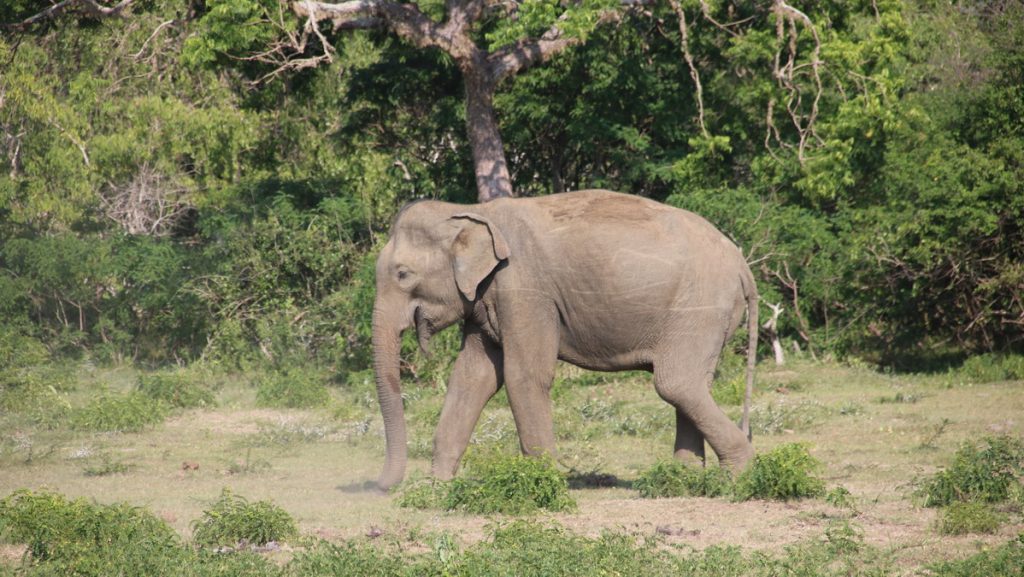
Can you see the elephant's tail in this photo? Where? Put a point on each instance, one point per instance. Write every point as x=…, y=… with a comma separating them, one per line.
x=750, y=292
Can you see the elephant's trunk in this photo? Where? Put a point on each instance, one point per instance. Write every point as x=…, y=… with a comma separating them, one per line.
x=387, y=333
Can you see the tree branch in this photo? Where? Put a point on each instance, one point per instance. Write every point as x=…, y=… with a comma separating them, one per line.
x=88, y=7
x=405, y=20
x=512, y=59
x=684, y=30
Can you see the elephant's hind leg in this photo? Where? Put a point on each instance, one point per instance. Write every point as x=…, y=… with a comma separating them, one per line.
x=683, y=379
x=689, y=441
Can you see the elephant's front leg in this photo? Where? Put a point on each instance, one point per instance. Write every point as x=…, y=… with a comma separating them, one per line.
x=530, y=343
x=475, y=378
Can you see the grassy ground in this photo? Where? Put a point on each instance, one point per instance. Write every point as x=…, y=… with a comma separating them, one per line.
x=878, y=436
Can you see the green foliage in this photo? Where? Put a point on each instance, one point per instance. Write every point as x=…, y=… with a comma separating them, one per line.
x=176, y=389
x=128, y=413
x=991, y=367
x=674, y=479
x=292, y=388
x=426, y=493
x=1004, y=561
x=961, y=518
x=232, y=520
x=77, y=537
x=841, y=497
x=511, y=484
x=984, y=472
x=784, y=473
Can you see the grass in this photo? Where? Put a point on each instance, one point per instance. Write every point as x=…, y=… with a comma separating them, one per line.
x=784, y=473
x=967, y=517
x=315, y=464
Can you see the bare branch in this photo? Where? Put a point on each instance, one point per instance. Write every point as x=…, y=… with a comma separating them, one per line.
x=405, y=20
x=787, y=16
x=90, y=8
x=138, y=55
x=694, y=74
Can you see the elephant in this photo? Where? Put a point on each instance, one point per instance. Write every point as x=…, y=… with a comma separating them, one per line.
x=599, y=279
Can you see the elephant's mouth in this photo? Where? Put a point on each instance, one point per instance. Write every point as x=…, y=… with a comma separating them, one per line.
x=424, y=330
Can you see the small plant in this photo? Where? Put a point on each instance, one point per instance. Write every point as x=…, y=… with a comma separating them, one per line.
x=119, y=413
x=786, y=472
x=984, y=472
x=964, y=518
x=841, y=498
x=900, y=398
x=675, y=479
x=292, y=388
x=177, y=389
x=509, y=484
x=844, y=537
x=233, y=520
x=105, y=467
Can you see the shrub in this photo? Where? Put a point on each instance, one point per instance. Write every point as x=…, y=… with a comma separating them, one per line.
x=992, y=367
x=423, y=494
x=292, y=388
x=510, y=484
x=984, y=472
x=786, y=472
x=177, y=389
x=233, y=519
x=77, y=537
x=119, y=413
x=841, y=498
x=962, y=518
x=674, y=479
x=350, y=559
x=28, y=394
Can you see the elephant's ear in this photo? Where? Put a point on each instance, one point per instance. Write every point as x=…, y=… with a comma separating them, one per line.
x=477, y=249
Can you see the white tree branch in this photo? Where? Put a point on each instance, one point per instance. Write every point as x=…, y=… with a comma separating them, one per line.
x=89, y=7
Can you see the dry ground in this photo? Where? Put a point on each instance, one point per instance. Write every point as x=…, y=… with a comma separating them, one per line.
x=317, y=465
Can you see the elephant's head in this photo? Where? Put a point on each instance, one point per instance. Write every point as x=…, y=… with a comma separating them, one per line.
x=428, y=277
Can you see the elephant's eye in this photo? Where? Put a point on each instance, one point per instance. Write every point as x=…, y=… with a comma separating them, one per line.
x=402, y=275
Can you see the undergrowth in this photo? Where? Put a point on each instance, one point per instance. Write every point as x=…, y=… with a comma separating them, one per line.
x=990, y=471
x=128, y=413
x=233, y=520
x=176, y=388
x=675, y=479
x=494, y=482
x=291, y=388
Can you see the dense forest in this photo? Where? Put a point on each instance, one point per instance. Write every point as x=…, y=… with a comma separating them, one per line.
x=209, y=179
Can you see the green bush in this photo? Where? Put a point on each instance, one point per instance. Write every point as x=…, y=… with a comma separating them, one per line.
x=992, y=367
x=422, y=494
x=78, y=537
x=119, y=413
x=292, y=388
x=509, y=484
x=176, y=388
x=233, y=519
x=674, y=479
x=786, y=472
x=967, y=517
x=30, y=395
x=983, y=472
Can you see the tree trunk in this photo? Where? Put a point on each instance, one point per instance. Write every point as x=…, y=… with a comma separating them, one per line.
x=492, y=178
